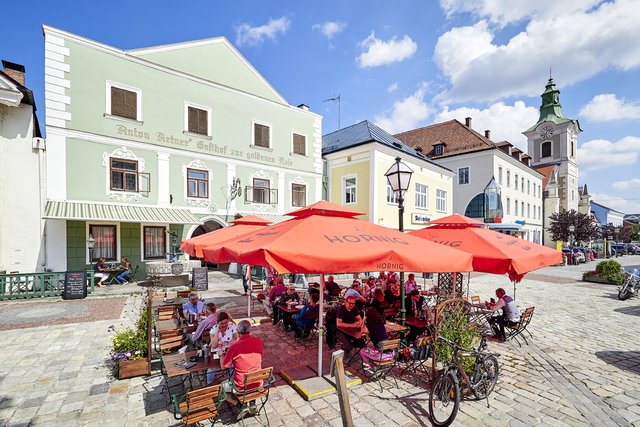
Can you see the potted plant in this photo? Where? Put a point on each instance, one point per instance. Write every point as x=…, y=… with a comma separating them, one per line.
x=131, y=349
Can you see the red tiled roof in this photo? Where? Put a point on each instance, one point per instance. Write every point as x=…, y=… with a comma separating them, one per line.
x=457, y=137
x=546, y=172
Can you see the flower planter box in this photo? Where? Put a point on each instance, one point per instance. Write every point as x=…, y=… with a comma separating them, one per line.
x=133, y=368
x=596, y=279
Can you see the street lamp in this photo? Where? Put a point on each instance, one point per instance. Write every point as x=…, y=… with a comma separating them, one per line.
x=90, y=243
x=398, y=177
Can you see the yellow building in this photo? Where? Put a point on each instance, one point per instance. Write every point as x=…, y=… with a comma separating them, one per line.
x=357, y=158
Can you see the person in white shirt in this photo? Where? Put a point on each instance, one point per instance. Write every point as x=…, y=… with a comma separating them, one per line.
x=510, y=314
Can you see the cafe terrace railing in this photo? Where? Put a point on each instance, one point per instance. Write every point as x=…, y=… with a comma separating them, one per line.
x=36, y=285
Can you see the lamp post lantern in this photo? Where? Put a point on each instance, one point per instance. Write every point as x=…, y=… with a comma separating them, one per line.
x=90, y=243
x=399, y=176
x=572, y=229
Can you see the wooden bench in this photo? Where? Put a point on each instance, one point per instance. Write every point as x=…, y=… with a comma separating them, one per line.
x=515, y=331
x=199, y=405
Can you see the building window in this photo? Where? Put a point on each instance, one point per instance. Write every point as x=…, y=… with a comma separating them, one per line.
x=422, y=196
x=508, y=206
x=154, y=242
x=522, y=208
x=298, y=195
x=299, y=144
x=441, y=200
x=463, y=175
x=124, y=175
x=197, y=183
x=508, y=178
x=500, y=175
x=522, y=184
x=546, y=149
x=197, y=120
x=572, y=148
x=261, y=135
x=261, y=191
x=539, y=212
x=528, y=187
x=105, y=245
x=528, y=210
x=516, y=181
x=349, y=190
x=392, y=196
x=515, y=207
x=124, y=103
x=438, y=150
x=475, y=208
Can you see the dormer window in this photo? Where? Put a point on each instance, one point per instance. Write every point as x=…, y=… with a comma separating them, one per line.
x=438, y=149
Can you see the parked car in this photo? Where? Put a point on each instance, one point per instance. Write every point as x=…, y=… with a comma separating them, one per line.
x=633, y=249
x=619, y=249
x=577, y=256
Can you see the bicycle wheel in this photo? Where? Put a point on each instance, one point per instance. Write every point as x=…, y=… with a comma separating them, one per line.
x=485, y=376
x=444, y=399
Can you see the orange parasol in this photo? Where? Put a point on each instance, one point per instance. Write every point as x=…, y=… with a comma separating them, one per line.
x=240, y=226
x=492, y=252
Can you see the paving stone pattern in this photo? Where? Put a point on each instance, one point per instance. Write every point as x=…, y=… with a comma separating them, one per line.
x=581, y=368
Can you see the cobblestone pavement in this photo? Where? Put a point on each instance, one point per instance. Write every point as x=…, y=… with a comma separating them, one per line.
x=582, y=367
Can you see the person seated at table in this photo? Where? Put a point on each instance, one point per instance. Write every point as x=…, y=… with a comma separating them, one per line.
x=332, y=288
x=125, y=267
x=101, y=271
x=348, y=317
x=413, y=303
x=244, y=356
x=377, y=334
x=289, y=295
x=299, y=323
x=410, y=284
x=207, y=323
x=314, y=288
x=378, y=302
x=222, y=335
x=194, y=306
x=389, y=294
x=510, y=314
x=277, y=289
x=354, y=291
x=369, y=287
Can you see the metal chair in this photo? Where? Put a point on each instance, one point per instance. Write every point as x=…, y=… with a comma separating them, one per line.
x=256, y=387
x=515, y=331
x=382, y=366
x=199, y=405
x=416, y=356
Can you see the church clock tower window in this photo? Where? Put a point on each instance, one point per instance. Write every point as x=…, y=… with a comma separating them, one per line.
x=546, y=149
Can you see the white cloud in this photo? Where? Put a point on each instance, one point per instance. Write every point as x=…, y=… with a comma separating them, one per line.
x=330, y=28
x=407, y=113
x=622, y=203
x=607, y=107
x=577, y=45
x=248, y=35
x=601, y=154
x=392, y=87
x=506, y=122
x=512, y=11
x=379, y=52
x=631, y=184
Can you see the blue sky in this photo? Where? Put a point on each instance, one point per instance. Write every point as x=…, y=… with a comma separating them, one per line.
x=402, y=64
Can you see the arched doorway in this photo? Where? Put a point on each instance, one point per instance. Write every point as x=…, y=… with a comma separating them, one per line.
x=210, y=223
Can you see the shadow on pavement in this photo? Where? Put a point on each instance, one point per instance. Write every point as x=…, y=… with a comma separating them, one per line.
x=626, y=360
x=633, y=311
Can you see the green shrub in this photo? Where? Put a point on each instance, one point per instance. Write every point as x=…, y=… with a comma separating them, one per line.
x=455, y=327
x=611, y=266
x=587, y=274
x=615, y=278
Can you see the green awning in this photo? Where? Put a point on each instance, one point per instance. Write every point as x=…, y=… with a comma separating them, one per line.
x=86, y=211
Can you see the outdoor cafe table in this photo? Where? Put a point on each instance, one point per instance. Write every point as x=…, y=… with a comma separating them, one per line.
x=480, y=315
x=201, y=366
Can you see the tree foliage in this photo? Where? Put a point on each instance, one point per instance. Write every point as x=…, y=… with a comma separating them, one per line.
x=586, y=229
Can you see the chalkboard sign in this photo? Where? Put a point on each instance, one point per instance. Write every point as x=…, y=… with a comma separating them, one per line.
x=176, y=268
x=75, y=285
x=200, y=279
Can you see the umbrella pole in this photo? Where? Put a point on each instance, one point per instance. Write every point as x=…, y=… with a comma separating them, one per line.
x=250, y=290
x=321, y=312
x=514, y=289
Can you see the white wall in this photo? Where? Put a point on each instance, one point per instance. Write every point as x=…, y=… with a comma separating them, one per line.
x=20, y=197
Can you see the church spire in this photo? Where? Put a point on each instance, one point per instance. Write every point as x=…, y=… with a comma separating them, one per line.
x=550, y=109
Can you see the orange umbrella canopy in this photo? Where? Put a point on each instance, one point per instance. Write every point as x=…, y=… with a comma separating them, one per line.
x=325, y=237
x=240, y=226
x=492, y=252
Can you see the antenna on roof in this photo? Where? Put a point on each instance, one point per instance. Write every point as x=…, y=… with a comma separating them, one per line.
x=336, y=98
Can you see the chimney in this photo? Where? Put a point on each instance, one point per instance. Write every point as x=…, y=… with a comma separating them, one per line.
x=15, y=71
x=467, y=122
x=487, y=134
x=525, y=160
x=418, y=148
x=304, y=107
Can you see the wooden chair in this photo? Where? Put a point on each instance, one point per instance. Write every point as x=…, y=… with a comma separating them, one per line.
x=166, y=313
x=170, y=341
x=390, y=312
x=199, y=405
x=257, y=289
x=382, y=366
x=183, y=294
x=416, y=356
x=251, y=392
x=515, y=331
x=475, y=299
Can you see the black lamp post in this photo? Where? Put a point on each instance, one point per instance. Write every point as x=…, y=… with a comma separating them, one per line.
x=572, y=229
x=399, y=176
x=90, y=243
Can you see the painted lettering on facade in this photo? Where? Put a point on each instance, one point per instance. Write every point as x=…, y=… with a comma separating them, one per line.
x=133, y=132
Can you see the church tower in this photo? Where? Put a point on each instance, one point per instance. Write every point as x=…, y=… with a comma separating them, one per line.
x=553, y=145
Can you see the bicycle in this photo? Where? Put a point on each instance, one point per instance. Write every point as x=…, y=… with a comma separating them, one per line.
x=444, y=397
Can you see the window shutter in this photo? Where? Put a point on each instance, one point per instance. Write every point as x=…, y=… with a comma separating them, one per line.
x=124, y=103
x=261, y=135
x=299, y=142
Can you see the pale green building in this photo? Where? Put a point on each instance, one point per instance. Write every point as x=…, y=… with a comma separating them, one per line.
x=175, y=139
